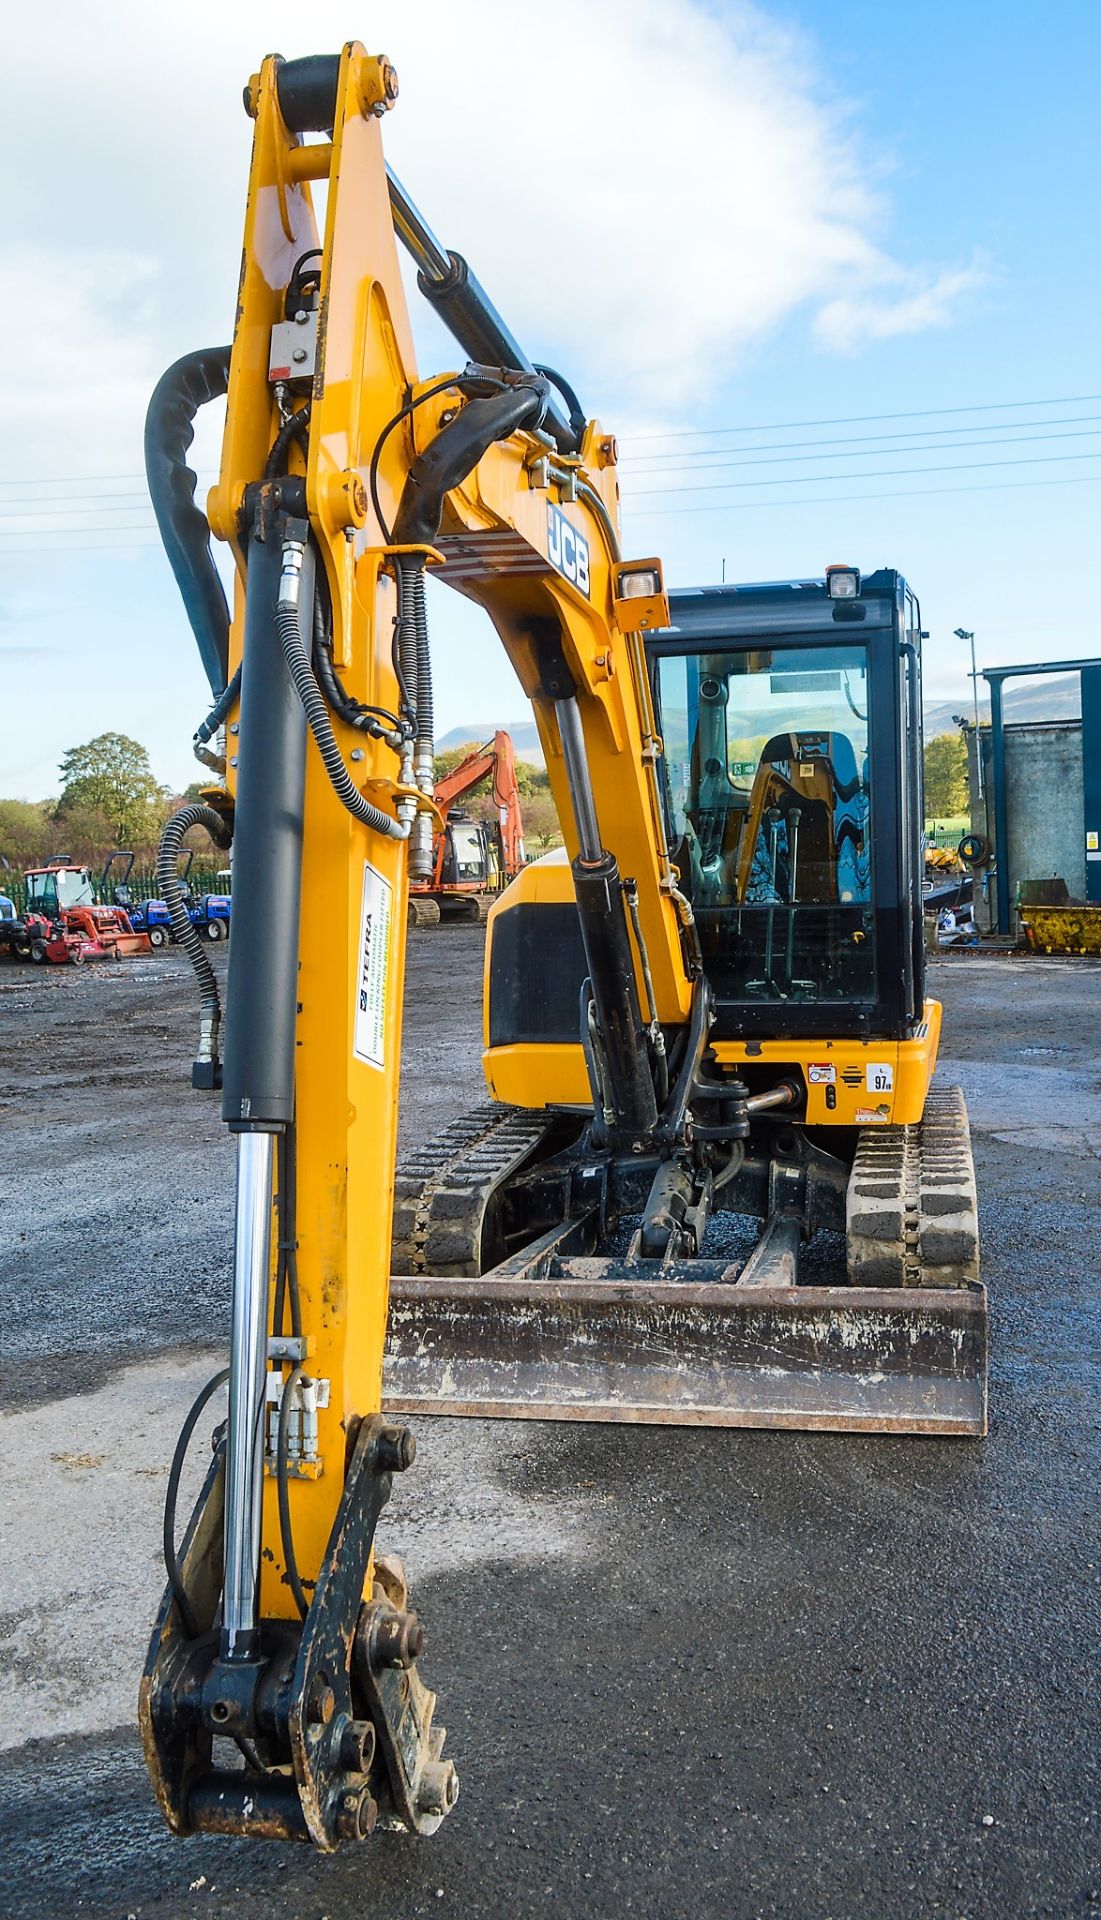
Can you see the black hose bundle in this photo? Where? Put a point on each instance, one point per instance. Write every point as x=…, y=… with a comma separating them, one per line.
x=313, y=705
x=376, y=721
x=195, y=814
x=454, y=452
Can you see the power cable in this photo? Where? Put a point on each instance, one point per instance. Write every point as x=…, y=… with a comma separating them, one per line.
x=780, y=449
x=858, y=419
x=898, y=493
x=882, y=473
x=88, y=479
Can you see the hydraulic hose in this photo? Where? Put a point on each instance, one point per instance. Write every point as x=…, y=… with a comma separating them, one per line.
x=293, y=429
x=413, y=645
x=217, y=715
x=313, y=704
x=195, y=814
x=169, y=431
x=457, y=449
x=379, y=722
x=454, y=452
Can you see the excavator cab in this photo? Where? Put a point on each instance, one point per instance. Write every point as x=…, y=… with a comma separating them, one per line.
x=790, y=802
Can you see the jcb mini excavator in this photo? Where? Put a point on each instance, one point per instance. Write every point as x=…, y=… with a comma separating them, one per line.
x=472, y=859
x=708, y=1012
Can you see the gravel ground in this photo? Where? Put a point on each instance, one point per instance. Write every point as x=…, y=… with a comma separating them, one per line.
x=737, y=1674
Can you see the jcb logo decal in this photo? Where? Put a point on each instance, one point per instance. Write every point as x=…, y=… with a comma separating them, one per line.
x=567, y=550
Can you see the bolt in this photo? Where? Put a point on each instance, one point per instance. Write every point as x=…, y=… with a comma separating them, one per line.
x=322, y=1704
x=235, y=726
x=356, y=753
x=386, y=1637
x=233, y=760
x=299, y=355
x=395, y=1449
x=438, y=1787
x=301, y=317
x=355, y=1815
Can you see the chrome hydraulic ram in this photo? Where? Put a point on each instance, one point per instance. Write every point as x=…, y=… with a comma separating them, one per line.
x=258, y=1086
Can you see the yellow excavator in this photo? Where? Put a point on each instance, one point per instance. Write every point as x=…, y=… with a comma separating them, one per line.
x=712, y=1182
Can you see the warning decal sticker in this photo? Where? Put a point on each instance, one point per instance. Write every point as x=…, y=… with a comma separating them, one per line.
x=822, y=1075
x=373, y=972
x=879, y=1076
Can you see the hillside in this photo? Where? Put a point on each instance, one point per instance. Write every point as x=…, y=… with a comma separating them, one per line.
x=1057, y=699
x=1024, y=700
x=525, y=737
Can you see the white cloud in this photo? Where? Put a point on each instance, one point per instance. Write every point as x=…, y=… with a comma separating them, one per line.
x=87, y=360
x=645, y=189
x=921, y=302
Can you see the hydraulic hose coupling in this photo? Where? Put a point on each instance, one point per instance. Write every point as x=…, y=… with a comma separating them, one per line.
x=290, y=580
x=421, y=863
x=420, y=848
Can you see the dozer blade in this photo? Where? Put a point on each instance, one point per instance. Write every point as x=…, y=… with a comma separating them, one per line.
x=582, y=1342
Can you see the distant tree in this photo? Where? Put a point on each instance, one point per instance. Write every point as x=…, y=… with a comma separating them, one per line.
x=25, y=832
x=111, y=774
x=541, y=828
x=84, y=833
x=946, y=789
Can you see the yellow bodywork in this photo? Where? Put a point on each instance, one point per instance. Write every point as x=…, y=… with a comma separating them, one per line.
x=873, y=1082
x=494, y=547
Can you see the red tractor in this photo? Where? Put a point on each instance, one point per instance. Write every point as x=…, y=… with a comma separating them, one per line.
x=61, y=922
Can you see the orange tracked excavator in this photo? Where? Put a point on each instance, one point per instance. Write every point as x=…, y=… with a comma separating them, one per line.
x=472, y=859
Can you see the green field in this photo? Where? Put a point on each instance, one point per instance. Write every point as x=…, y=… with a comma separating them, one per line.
x=947, y=833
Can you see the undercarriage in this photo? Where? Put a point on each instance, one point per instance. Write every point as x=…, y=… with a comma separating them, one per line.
x=537, y=1275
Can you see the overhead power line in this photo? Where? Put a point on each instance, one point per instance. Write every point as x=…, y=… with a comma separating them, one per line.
x=715, y=456
x=88, y=479
x=881, y=473
x=896, y=493
x=709, y=464
x=662, y=513
x=859, y=419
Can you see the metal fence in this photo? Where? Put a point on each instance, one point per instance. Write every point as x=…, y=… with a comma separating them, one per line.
x=142, y=883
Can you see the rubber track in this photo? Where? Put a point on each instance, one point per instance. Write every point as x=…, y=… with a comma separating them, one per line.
x=443, y=1187
x=912, y=1212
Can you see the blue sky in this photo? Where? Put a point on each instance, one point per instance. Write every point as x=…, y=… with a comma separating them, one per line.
x=757, y=215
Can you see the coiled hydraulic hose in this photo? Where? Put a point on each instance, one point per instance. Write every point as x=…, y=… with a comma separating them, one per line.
x=216, y=717
x=313, y=704
x=413, y=643
x=195, y=814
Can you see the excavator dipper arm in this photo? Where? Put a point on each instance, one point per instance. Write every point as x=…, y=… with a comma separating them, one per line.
x=283, y=1640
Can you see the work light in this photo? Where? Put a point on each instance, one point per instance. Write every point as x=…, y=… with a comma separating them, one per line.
x=843, y=583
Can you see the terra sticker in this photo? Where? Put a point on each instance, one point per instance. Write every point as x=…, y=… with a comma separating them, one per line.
x=373, y=973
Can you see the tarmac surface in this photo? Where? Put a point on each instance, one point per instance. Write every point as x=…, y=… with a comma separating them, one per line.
x=720, y=1674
